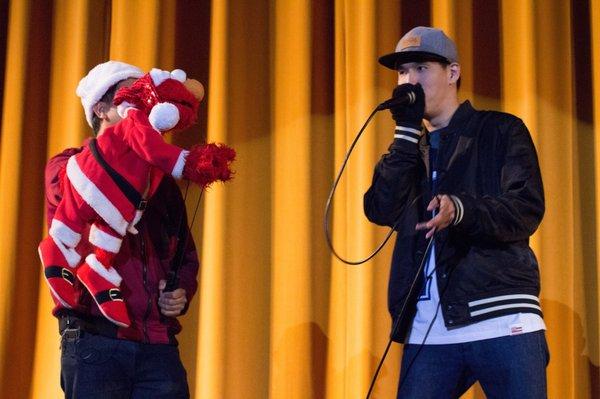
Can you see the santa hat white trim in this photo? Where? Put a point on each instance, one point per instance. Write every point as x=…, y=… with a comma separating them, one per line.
x=101, y=78
x=180, y=164
x=95, y=198
x=111, y=275
x=104, y=240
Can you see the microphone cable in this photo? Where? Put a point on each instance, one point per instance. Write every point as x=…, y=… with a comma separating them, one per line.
x=396, y=325
x=328, y=238
x=330, y=199
x=173, y=274
x=397, y=322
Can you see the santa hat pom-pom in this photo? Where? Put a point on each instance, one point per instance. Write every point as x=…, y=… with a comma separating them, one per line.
x=163, y=116
x=208, y=163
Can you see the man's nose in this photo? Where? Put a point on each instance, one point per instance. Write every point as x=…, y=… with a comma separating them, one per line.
x=408, y=77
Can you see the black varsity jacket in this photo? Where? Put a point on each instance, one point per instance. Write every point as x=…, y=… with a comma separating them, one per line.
x=485, y=268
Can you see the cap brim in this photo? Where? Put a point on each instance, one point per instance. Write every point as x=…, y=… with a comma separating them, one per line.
x=391, y=60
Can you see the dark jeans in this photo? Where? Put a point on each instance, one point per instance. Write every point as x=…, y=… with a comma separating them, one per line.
x=93, y=366
x=506, y=367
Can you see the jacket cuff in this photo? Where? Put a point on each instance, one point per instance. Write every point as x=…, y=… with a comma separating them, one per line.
x=408, y=133
x=466, y=218
x=459, y=210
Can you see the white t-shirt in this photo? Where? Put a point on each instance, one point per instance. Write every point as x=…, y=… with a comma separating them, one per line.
x=427, y=307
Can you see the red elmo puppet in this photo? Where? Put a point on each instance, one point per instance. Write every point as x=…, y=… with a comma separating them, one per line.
x=108, y=183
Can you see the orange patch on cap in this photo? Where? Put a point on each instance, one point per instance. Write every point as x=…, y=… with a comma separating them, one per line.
x=412, y=41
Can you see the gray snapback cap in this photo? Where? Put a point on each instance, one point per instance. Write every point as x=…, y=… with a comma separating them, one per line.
x=421, y=44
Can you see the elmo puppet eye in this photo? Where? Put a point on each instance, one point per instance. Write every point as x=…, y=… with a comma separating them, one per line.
x=179, y=75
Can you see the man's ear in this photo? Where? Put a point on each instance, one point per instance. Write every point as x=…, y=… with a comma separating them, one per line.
x=101, y=109
x=454, y=74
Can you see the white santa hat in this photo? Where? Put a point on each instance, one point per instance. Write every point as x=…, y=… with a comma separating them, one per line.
x=101, y=78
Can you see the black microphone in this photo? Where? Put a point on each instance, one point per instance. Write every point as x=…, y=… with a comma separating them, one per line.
x=407, y=98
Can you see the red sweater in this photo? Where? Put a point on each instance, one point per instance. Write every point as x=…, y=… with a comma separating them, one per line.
x=143, y=261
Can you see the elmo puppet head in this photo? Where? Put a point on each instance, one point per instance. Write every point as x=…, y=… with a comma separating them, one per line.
x=170, y=99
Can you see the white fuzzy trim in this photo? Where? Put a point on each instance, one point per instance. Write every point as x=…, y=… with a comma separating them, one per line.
x=95, y=198
x=109, y=274
x=179, y=75
x=163, y=116
x=177, y=171
x=67, y=235
x=95, y=84
x=158, y=76
x=65, y=240
x=104, y=240
x=72, y=257
x=131, y=228
x=123, y=109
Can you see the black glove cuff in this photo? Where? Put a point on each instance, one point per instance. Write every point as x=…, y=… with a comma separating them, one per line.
x=409, y=133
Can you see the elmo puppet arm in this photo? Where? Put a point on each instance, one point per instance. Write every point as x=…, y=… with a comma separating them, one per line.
x=149, y=145
x=208, y=163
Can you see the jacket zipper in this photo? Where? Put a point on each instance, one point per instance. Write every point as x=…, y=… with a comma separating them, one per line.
x=145, y=279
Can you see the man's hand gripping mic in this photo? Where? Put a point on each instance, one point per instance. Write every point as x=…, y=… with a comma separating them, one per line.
x=408, y=114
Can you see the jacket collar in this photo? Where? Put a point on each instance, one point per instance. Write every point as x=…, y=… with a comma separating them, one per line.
x=464, y=111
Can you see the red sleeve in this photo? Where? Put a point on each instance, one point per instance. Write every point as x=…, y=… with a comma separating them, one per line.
x=146, y=142
x=52, y=183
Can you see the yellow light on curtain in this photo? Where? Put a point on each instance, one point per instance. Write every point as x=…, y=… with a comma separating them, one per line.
x=357, y=300
x=234, y=339
x=10, y=173
x=593, y=326
x=67, y=128
x=290, y=375
x=23, y=148
x=211, y=359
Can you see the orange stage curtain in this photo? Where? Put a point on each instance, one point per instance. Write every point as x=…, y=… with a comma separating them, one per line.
x=289, y=83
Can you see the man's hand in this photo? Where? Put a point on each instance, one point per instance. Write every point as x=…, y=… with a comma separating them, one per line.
x=409, y=115
x=444, y=216
x=171, y=303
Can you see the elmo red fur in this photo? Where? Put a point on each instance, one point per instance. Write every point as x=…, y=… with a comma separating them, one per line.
x=142, y=94
x=208, y=163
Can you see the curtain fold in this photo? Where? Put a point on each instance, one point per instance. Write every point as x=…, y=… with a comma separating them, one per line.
x=24, y=123
x=71, y=28
x=233, y=355
x=289, y=84
x=290, y=332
